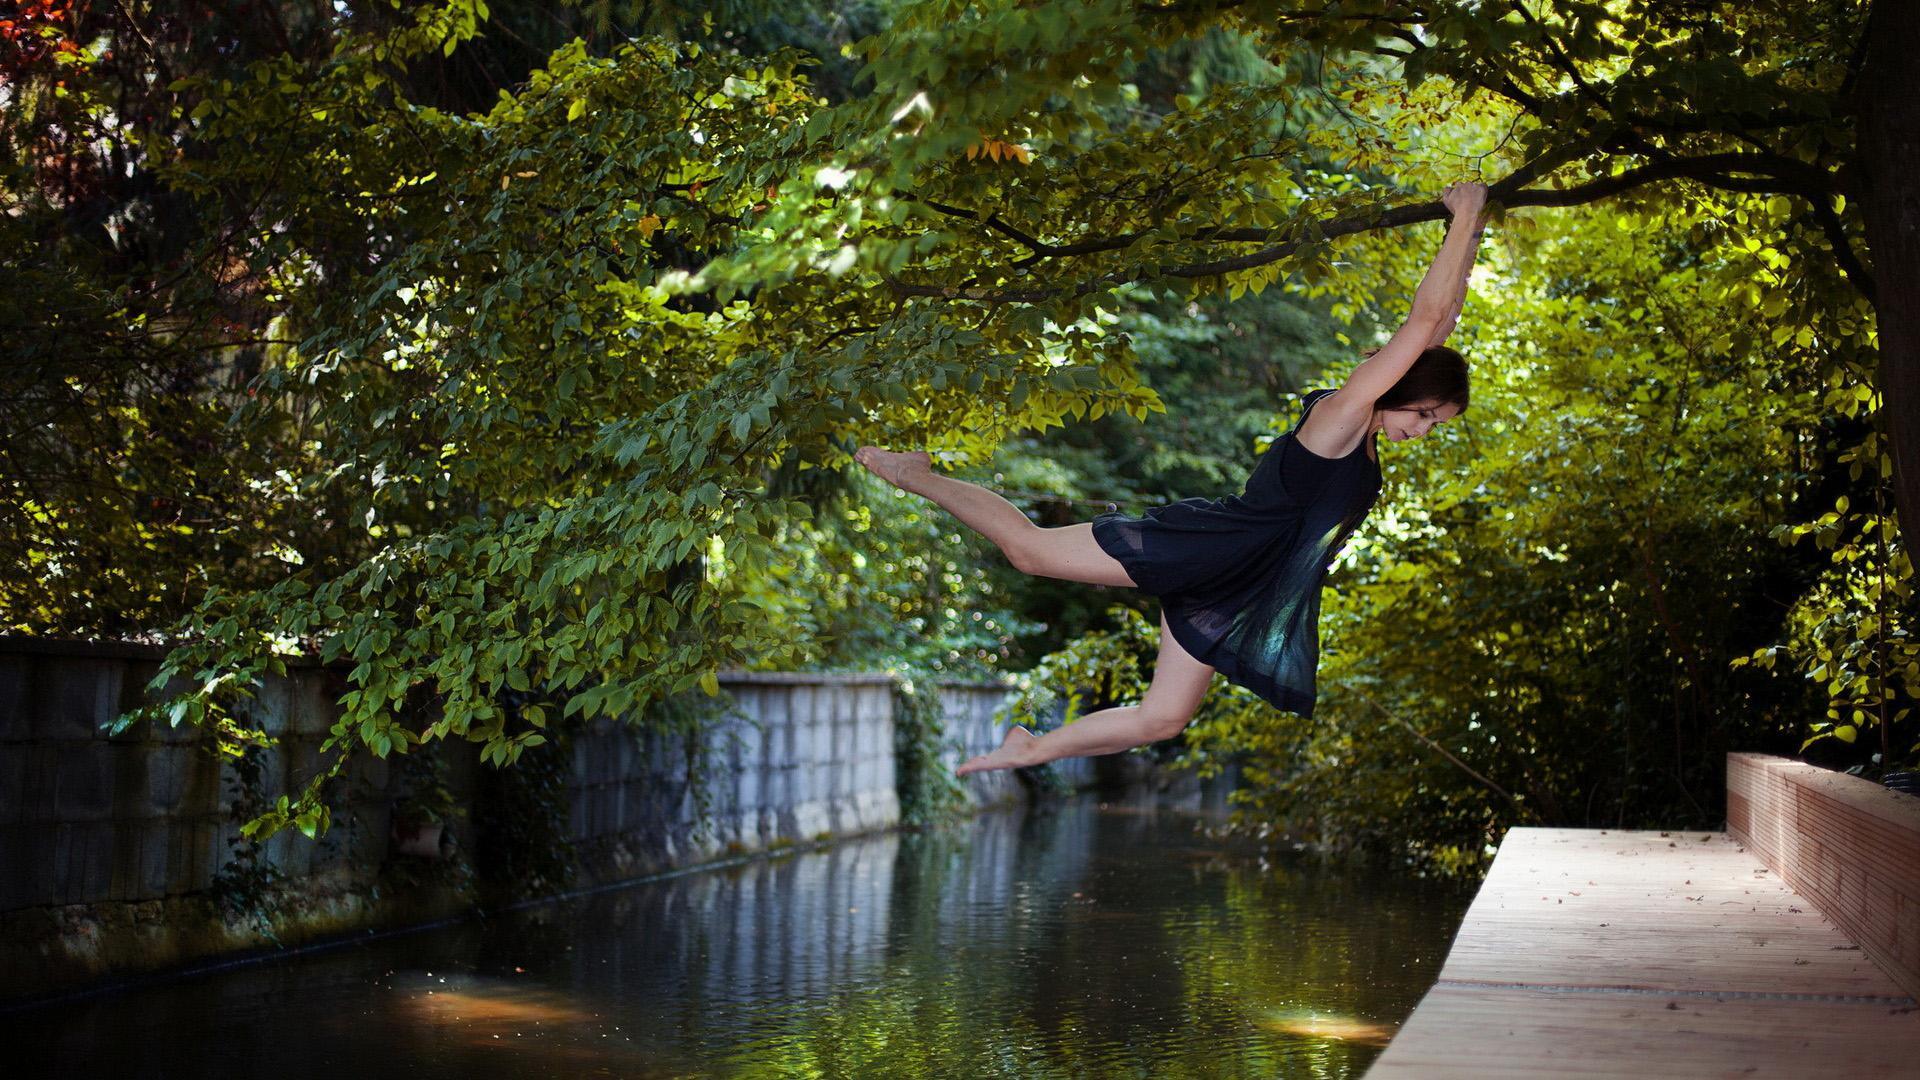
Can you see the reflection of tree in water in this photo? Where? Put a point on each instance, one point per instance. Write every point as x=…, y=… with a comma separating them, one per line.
x=1312, y=965
x=1080, y=942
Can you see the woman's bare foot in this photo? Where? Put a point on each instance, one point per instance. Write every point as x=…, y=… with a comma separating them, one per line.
x=900, y=469
x=1015, y=750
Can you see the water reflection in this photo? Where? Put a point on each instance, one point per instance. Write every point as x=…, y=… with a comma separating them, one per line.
x=1314, y=1025
x=1085, y=940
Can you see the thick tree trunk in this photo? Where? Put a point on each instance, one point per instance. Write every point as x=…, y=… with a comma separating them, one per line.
x=1889, y=184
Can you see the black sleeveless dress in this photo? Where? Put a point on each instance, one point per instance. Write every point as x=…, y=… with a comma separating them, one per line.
x=1239, y=578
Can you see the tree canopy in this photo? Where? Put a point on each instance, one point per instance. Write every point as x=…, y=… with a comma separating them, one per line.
x=533, y=389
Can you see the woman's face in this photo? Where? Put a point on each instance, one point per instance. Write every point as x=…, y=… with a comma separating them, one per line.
x=1415, y=420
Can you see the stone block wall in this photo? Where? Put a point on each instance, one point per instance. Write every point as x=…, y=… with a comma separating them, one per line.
x=109, y=846
x=87, y=818
x=809, y=756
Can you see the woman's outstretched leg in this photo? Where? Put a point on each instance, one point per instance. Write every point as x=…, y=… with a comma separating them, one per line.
x=1179, y=682
x=1069, y=552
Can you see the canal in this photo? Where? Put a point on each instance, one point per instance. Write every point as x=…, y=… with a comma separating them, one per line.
x=1079, y=938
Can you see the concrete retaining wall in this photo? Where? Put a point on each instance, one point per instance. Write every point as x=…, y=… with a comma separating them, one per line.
x=110, y=846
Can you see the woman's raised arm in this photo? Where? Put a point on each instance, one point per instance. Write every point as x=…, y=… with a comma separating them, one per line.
x=1337, y=424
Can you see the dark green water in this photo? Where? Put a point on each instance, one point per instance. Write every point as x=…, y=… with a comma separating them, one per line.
x=1087, y=940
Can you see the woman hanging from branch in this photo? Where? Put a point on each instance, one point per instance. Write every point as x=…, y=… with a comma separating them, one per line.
x=1238, y=578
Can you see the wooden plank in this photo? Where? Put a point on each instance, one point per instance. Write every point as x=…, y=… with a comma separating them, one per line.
x=1470, y=1033
x=1607, y=953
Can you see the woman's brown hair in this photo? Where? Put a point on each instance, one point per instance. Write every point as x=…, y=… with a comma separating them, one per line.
x=1440, y=374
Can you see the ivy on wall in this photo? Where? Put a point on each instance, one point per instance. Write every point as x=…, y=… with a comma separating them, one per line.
x=929, y=792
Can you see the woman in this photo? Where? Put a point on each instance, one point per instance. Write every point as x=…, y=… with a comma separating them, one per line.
x=1238, y=578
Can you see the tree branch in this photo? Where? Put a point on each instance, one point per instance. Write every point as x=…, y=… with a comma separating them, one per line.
x=1715, y=169
x=1843, y=252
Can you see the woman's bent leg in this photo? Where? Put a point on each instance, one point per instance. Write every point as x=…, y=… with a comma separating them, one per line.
x=1179, y=683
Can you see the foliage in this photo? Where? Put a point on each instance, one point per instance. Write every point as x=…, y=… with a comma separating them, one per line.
x=470, y=370
x=124, y=492
x=539, y=380
x=1856, y=631
x=878, y=578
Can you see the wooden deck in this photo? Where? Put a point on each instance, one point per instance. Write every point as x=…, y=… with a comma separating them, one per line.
x=1651, y=955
